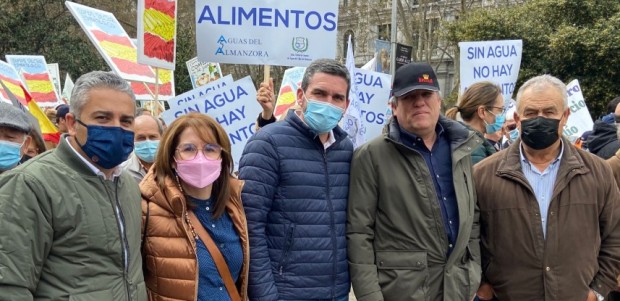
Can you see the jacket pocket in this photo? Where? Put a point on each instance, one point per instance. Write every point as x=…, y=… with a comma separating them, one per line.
x=140, y=294
x=472, y=271
x=92, y=296
x=288, y=244
x=403, y=275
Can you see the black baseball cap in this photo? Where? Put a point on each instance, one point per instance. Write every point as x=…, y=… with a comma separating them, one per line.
x=414, y=76
x=61, y=111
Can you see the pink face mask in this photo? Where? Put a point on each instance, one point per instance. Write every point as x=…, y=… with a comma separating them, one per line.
x=199, y=172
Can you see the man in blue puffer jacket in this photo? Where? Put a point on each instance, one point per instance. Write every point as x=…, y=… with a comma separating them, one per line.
x=296, y=176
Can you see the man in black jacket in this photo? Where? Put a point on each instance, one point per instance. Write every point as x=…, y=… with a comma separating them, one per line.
x=603, y=141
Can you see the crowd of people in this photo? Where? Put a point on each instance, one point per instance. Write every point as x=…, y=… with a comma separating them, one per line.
x=483, y=203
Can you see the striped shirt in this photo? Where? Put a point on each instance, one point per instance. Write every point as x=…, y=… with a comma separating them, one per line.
x=542, y=182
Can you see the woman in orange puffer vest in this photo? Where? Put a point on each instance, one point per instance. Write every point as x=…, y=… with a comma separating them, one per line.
x=192, y=176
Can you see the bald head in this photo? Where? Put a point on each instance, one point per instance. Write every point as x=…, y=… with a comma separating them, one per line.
x=147, y=127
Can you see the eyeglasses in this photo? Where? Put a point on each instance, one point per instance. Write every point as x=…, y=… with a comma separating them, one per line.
x=511, y=127
x=500, y=108
x=189, y=151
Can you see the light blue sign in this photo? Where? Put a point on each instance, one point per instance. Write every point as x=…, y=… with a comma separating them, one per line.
x=234, y=107
x=271, y=32
x=200, y=92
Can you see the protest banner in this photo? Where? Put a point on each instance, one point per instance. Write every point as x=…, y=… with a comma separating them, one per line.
x=373, y=93
x=351, y=122
x=383, y=56
x=68, y=88
x=579, y=119
x=233, y=106
x=112, y=42
x=287, y=95
x=157, y=29
x=36, y=77
x=166, y=87
x=266, y=32
x=403, y=55
x=12, y=80
x=494, y=61
x=200, y=92
x=55, y=73
x=202, y=73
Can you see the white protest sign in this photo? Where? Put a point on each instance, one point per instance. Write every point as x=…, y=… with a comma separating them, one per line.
x=68, y=88
x=495, y=61
x=55, y=73
x=373, y=92
x=233, y=106
x=200, y=92
x=579, y=119
x=157, y=30
x=287, y=33
x=287, y=95
x=351, y=122
x=202, y=73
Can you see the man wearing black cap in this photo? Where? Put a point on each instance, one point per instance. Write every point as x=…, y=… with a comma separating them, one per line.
x=412, y=226
x=14, y=138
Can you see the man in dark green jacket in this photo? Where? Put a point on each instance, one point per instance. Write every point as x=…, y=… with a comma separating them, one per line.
x=412, y=225
x=70, y=221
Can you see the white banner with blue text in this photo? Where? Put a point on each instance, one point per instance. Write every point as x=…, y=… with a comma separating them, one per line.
x=494, y=61
x=266, y=32
x=233, y=106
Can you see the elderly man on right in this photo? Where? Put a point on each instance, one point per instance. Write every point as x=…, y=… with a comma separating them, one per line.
x=549, y=212
x=614, y=162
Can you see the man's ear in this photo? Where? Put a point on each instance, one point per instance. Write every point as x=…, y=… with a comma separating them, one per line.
x=70, y=123
x=300, y=97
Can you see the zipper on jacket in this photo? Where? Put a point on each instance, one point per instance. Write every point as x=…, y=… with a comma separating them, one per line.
x=120, y=222
x=333, y=225
x=289, y=245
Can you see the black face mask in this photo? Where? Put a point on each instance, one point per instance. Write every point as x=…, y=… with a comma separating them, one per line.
x=540, y=132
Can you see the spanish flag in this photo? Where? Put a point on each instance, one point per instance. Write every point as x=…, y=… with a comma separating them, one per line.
x=48, y=129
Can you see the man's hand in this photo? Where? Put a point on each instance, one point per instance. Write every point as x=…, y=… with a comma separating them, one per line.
x=267, y=99
x=591, y=296
x=485, y=292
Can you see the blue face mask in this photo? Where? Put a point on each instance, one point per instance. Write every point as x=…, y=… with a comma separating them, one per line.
x=10, y=154
x=514, y=134
x=497, y=125
x=107, y=146
x=322, y=116
x=146, y=150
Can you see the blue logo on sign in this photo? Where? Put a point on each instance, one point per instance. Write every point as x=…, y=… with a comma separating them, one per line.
x=221, y=41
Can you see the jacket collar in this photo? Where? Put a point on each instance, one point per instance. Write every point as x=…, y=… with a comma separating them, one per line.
x=571, y=164
x=70, y=158
x=302, y=127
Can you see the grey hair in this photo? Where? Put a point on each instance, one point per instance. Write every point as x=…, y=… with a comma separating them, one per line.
x=94, y=80
x=541, y=82
x=327, y=66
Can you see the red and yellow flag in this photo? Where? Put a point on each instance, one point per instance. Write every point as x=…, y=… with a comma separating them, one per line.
x=48, y=129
